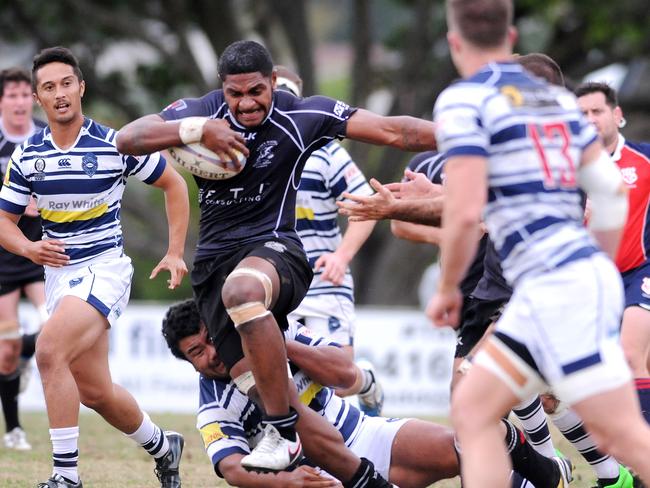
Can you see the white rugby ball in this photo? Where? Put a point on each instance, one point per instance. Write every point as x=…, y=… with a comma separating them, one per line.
x=204, y=163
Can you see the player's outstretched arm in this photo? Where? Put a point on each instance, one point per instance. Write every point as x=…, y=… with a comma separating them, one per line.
x=403, y=132
x=327, y=365
x=302, y=477
x=45, y=252
x=151, y=133
x=426, y=234
x=178, y=215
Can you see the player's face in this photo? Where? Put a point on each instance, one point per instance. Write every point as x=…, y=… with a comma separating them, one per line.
x=9, y=355
x=200, y=351
x=249, y=97
x=16, y=103
x=59, y=92
x=606, y=119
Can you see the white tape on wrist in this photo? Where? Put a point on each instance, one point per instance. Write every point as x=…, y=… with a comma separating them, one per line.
x=190, y=129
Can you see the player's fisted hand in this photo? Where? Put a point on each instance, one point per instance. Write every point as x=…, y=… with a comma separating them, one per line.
x=220, y=138
x=176, y=267
x=50, y=252
x=308, y=477
x=444, y=308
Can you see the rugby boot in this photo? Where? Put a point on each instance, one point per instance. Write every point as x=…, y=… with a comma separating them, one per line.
x=167, y=466
x=624, y=480
x=273, y=453
x=371, y=401
x=566, y=470
x=58, y=481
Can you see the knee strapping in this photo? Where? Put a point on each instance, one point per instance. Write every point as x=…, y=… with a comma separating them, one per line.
x=244, y=382
x=246, y=312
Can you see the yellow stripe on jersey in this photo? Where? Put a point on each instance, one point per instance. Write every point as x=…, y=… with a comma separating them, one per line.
x=310, y=393
x=6, y=181
x=62, y=216
x=304, y=213
x=211, y=433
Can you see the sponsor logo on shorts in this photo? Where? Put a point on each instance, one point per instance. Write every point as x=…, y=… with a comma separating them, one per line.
x=333, y=324
x=211, y=433
x=645, y=286
x=117, y=311
x=75, y=281
x=276, y=246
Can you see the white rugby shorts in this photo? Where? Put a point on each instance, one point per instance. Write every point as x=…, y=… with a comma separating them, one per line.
x=330, y=316
x=374, y=441
x=569, y=320
x=104, y=284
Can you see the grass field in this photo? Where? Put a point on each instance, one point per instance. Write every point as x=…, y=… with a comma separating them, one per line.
x=108, y=459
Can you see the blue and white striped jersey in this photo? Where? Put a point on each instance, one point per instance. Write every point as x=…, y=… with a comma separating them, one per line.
x=229, y=422
x=533, y=135
x=328, y=173
x=78, y=191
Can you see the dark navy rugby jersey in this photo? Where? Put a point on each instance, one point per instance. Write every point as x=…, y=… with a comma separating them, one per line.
x=431, y=164
x=260, y=202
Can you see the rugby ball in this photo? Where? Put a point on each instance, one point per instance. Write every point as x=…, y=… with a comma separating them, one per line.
x=204, y=163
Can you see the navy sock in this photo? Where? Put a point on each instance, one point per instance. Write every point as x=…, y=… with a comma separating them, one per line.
x=643, y=390
x=285, y=424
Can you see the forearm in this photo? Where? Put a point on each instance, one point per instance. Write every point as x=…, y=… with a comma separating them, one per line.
x=236, y=475
x=426, y=211
x=177, y=208
x=409, y=231
x=327, y=365
x=146, y=135
x=11, y=237
x=458, y=246
x=415, y=134
x=355, y=235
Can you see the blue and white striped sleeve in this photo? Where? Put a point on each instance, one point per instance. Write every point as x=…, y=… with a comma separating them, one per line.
x=459, y=129
x=16, y=188
x=147, y=168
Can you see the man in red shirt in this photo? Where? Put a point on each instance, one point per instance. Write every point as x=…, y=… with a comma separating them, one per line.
x=598, y=101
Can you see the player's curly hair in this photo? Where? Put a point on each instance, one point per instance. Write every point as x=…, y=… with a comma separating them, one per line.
x=245, y=57
x=181, y=320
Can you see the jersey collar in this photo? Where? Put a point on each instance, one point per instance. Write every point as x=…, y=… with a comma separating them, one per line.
x=47, y=134
x=616, y=155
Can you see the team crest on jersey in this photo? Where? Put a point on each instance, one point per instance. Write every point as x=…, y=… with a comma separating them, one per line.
x=265, y=154
x=276, y=246
x=39, y=167
x=513, y=94
x=629, y=175
x=89, y=164
x=645, y=286
x=177, y=105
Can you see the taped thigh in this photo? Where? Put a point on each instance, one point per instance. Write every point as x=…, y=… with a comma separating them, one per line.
x=504, y=363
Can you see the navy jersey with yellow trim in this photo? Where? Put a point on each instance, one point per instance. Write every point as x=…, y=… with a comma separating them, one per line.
x=259, y=202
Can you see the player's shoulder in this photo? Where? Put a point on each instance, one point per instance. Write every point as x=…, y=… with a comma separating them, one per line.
x=212, y=104
x=100, y=131
x=317, y=105
x=640, y=147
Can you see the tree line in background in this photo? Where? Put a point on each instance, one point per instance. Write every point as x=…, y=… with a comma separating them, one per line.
x=139, y=56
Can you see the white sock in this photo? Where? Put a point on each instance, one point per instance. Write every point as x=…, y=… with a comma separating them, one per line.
x=533, y=420
x=573, y=429
x=150, y=437
x=65, y=453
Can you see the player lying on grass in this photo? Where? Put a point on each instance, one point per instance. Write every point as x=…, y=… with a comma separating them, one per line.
x=408, y=452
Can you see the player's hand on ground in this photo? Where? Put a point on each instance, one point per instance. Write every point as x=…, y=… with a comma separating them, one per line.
x=227, y=143
x=444, y=308
x=334, y=266
x=308, y=477
x=417, y=185
x=49, y=252
x=359, y=208
x=176, y=267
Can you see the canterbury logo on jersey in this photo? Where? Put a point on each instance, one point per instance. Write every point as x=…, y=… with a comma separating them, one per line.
x=64, y=163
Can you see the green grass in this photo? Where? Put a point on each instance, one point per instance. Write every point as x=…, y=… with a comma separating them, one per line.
x=109, y=459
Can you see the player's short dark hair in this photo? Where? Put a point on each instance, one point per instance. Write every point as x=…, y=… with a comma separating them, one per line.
x=56, y=54
x=483, y=23
x=543, y=66
x=15, y=75
x=590, y=87
x=245, y=57
x=181, y=320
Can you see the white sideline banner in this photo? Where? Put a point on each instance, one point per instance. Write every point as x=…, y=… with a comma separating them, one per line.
x=412, y=359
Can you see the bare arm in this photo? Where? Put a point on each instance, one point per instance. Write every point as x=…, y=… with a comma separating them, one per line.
x=409, y=231
x=151, y=133
x=48, y=252
x=402, y=132
x=383, y=205
x=302, y=477
x=178, y=215
x=335, y=264
x=327, y=365
x=466, y=193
